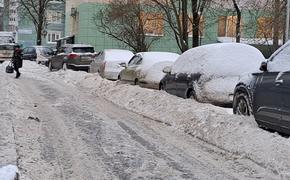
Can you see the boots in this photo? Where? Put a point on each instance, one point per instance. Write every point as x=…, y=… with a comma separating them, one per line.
x=17, y=75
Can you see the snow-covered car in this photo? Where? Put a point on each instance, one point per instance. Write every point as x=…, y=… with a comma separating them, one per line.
x=108, y=63
x=210, y=73
x=141, y=63
x=154, y=75
x=40, y=54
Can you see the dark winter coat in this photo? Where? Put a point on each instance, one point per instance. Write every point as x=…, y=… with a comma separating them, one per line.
x=17, y=59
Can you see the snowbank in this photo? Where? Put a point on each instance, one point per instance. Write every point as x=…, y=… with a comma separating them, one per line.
x=8, y=172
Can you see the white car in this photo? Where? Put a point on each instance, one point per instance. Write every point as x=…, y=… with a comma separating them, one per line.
x=139, y=66
x=108, y=63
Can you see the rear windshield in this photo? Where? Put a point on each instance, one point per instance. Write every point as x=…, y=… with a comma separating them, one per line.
x=83, y=50
x=6, y=47
x=46, y=51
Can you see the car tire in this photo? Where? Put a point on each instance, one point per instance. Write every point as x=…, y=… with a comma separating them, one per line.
x=191, y=95
x=136, y=82
x=161, y=87
x=242, y=104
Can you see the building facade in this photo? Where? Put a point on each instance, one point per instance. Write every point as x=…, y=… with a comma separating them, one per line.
x=218, y=25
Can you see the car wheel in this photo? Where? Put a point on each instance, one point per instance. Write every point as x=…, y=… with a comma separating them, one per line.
x=161, y=87
x=50, y=66
x=241, y=104
x=191, y=95
x=136, y=82
x=38, y=62
x=64, y=66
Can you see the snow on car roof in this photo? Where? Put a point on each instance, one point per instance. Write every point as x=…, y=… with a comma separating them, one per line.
x=118, y=55
x=159, y=56
x=221, y=59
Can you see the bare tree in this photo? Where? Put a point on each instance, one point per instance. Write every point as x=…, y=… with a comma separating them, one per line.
x=182, y=15
x=131, y=23
x=238, y=23
x=36, y=11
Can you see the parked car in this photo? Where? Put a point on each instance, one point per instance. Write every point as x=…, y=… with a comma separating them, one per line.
x=7, y=51
x=269, y=92
x=107, y=63
x=210, y=73
x=154, y=75
x=140, y=63
x=72, y=56
x=40, y=54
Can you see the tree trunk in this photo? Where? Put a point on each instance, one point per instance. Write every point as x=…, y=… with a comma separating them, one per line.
x=184, y=36
x=238, y=23
x=276, y=24
x=195, y=29
x=39, y=37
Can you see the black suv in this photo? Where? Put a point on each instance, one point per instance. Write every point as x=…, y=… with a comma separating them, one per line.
x=267, y=94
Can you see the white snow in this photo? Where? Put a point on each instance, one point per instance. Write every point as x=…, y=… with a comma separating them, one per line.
x=150, y=58
x=8, y=172
x=155, y=73
x=222, y=59
x=117, y=55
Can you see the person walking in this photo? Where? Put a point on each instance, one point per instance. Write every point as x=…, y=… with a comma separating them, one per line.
x=17, y=60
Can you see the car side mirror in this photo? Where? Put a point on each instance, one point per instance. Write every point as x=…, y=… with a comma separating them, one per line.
x=167, y=69
x=123, y=65
x=264, y=66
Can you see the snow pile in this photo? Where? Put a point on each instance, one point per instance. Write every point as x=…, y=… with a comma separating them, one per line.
x=215, y=59
x=117, y=55
x=240, y=136
x=9, y=172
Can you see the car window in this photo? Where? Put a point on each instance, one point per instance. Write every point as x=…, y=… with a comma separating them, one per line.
x=83, y=50
x=25, y=51
x=6, y=47
x=67, y=50
x=30, y=50
x=134, y=60
x=280, y=62
x=46, y=51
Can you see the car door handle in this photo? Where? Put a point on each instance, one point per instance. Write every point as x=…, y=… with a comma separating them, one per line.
x=279, y=82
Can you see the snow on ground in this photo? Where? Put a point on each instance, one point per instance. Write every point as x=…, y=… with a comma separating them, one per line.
x=8, y=172
x=239, y=136
x=235, y=134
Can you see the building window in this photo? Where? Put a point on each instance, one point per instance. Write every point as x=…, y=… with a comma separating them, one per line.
x=54, y=17
x=153, y=24
x=227, y=26
x=52, y=36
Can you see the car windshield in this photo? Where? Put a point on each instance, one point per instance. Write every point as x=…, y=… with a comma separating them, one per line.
x=6, y=47
x=46, y=51
x=83, y=50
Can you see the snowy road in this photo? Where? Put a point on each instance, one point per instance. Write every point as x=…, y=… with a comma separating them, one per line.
x=65, y=132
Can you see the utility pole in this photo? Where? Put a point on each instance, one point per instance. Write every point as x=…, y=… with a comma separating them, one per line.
x=287, y=21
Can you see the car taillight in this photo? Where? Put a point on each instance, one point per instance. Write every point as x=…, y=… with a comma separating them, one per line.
x=72, y=56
